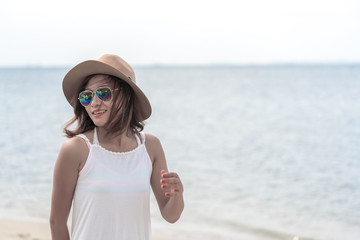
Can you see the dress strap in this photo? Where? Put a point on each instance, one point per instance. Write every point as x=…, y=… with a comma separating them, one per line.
x=96, y=141
x=138, y=140
x=142, y=137
x=86, y=140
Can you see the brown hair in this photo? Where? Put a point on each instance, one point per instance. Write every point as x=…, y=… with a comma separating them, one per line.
x=122, y=117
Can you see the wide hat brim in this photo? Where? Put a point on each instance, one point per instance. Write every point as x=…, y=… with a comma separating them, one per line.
x=110, y=65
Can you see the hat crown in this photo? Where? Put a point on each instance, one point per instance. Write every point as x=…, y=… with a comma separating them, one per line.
x=119, y=64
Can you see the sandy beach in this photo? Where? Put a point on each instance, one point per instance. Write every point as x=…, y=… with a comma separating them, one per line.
x=26, y=230
x=11, y=229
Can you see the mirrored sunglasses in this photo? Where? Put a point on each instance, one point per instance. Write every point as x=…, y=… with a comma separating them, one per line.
x=103, y=93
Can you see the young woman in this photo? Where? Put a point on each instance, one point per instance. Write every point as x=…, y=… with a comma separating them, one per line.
x=106, y=167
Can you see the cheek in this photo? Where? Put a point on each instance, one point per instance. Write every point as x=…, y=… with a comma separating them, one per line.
x=88, y=111
x=108, y=105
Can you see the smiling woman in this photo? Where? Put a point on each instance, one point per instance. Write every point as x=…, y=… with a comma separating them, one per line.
x=107, y=166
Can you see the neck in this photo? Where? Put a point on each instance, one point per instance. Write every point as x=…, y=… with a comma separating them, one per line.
x=105, y=136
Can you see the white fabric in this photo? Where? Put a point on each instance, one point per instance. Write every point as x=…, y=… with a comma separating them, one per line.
x=112, y=195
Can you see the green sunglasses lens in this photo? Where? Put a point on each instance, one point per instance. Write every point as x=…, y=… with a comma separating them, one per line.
x=85, y=98
x=104, y=94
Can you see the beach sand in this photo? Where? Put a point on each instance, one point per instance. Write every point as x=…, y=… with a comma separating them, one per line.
x=24, y=230
x=11, y=229
x=14, y=229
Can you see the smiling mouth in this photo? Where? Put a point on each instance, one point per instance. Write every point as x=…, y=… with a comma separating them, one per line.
x=99, y=112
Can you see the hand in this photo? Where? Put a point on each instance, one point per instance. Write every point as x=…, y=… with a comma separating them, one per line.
x=171, y=183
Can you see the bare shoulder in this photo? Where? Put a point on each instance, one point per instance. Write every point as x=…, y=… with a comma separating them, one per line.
x=151, y=139
x=73, y=152
x=153, y=146
x=73, y=145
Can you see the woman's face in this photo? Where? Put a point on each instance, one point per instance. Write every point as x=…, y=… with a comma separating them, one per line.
x=98, y=110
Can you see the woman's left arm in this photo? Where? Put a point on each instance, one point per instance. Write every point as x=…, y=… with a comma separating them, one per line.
x=167, y=186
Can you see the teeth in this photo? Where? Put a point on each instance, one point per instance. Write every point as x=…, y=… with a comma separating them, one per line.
x=99, y=112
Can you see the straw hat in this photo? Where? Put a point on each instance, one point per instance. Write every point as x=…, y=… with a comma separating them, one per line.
x=111, y=65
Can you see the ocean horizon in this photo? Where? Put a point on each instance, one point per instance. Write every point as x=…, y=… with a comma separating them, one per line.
x=202, y=65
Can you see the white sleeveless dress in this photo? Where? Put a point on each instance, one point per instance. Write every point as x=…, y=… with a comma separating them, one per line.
x=112, y=195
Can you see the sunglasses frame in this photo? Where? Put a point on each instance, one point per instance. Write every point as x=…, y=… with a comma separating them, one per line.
x=94, y=94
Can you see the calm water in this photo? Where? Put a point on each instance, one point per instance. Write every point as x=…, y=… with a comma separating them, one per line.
x=263, y=152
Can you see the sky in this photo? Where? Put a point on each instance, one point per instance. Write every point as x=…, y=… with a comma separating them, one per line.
x=148, y=32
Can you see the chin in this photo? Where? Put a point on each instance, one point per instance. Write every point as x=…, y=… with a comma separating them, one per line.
x=99, y=123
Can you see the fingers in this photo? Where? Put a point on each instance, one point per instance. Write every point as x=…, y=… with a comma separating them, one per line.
x=172, y=193
x=170, y=182
x=165, y=174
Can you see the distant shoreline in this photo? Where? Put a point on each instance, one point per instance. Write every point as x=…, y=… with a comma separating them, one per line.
x=206, y=65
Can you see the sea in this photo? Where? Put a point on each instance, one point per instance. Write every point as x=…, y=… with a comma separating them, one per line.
x=263, y=151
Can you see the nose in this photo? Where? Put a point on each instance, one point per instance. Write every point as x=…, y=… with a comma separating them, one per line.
x=96, y=101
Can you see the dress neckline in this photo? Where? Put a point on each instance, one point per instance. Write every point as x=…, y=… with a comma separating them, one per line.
x=96, y=143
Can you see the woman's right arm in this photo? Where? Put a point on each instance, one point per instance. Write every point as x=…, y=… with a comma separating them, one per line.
x=64, y=182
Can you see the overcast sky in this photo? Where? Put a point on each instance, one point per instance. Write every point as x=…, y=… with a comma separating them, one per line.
x=46, y=33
